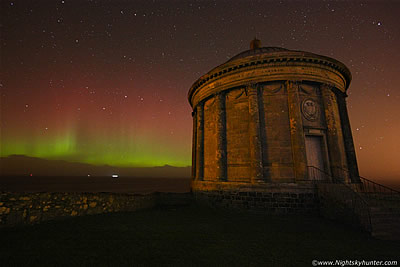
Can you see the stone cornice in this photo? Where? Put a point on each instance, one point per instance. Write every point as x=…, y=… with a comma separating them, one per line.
x=269, y=67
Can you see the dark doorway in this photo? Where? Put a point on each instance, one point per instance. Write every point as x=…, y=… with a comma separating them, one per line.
x=315, y=156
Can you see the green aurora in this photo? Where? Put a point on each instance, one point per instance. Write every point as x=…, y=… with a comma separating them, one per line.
x=142, y=152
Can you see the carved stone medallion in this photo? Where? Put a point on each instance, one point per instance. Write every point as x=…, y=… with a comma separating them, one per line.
x=310, y=109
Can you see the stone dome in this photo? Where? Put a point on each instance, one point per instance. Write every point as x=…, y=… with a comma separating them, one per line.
x=258, y=51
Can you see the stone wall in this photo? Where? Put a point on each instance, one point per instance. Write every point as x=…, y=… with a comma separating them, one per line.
x=30, y=208
x=237, y=135
x=339, y=202
x=278, y=159
x=210, y=139
x=273, y=198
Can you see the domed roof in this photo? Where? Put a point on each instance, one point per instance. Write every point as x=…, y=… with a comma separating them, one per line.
x=258, y=51
x=293, y=64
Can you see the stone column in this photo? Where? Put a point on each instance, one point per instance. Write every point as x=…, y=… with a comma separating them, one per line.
x=348, y=138
x=334, y=135
x=221, y=137
x=200, y=142
x=194, y=140
x=296, y=132
x=256, y=170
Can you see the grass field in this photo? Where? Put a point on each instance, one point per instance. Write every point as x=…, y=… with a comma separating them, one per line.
x=188, y=236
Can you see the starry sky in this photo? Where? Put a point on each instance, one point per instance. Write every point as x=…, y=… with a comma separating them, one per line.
x=106, y=82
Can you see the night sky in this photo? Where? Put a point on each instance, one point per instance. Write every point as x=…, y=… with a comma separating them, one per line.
x=106, y=82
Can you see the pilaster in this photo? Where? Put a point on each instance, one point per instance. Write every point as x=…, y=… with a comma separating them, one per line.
x=221, y=137
x=296, y=131
x=199, y=164
x=255, y=134
x=337, y=155
x=194, y=140
x=348, y=138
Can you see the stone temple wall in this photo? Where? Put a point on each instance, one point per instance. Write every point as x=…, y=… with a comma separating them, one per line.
x=239, y=121
x=278, y=160
x=237, y=136
x=269, y=198
x=210, y=144
x=268, y=114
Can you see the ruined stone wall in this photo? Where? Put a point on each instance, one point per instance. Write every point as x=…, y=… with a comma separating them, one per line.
x=29, y=208
x=237, y=135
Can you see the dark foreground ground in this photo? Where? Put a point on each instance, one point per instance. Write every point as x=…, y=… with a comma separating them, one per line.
x=188, y=236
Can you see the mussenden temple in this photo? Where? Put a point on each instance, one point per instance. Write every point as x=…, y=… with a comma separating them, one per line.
x=269, y=125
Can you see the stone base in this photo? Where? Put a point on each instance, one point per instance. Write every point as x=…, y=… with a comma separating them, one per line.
x=271, y=198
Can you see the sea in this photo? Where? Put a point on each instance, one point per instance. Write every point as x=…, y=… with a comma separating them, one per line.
x=140, y=185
